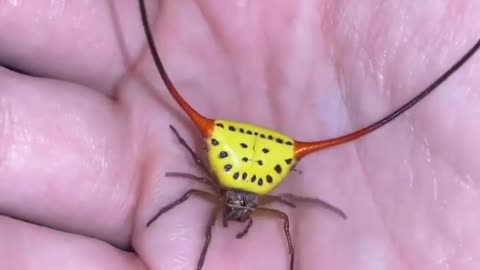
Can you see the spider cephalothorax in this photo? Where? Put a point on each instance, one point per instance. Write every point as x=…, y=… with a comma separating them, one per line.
x=239, y=205
x=246, y=162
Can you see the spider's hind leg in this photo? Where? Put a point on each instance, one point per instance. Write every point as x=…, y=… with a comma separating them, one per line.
x=292, y=200
x=200, y=179
x=208, y=236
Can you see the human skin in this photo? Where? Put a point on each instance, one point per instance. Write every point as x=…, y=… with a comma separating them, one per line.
x=85, y=144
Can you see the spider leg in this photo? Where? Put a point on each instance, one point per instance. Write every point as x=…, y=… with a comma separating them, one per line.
x=208, y=237
x=286, y=228
x=182, y=199
x=195, y=157
x=287, y=199
x=294, y=169
x=201, y=179
x=225, y=220
x=245, y=231
x=266, y=199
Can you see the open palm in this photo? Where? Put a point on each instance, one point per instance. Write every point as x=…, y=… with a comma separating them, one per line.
x=85, y=143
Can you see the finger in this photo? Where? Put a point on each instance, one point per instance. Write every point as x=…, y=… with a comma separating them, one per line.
x=87, y=42
x=27, y=246
x=67, y=158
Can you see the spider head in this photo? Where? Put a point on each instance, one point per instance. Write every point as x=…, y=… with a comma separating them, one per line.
x=240, y=205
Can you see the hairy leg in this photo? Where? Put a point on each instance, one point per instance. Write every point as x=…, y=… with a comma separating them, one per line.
x=286, y=198
x=208, y=236
x=194, y=155
x=182, y=199
x=286, y=228
x=246, y=229
x=200, y=179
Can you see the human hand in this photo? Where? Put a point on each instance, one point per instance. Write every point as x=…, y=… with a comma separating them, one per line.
x=83, y=152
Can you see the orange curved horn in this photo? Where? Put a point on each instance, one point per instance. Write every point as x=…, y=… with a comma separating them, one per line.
x=304, y=148
x=204, y=124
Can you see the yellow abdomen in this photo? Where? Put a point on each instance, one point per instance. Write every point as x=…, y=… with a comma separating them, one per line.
x=249, y=158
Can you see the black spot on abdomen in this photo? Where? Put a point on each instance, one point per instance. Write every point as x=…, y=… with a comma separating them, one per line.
x=260, y=181
x=269, y=179
x=278, y=168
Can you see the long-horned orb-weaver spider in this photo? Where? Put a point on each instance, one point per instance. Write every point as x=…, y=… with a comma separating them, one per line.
x=247, y=162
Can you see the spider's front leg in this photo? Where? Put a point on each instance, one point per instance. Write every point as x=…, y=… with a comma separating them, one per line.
x=208, y=236
x=200, y=179
x=246, y=229
x=182, y=199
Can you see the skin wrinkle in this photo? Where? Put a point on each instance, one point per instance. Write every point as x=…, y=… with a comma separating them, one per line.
x=327, y=40
x=411, y=172
x=401, y=257
x=432, y=156
x=469, y=183
x=215, y=34
x=301, y=18
x=273, y=85
x=342, y=86
x=136, y=150
x=427, y=147
x=296, y=115
x=222, y=48
x=5, y=126
x=364, y=176
x=263, y=88
x=303, y=94
x=391, y=238
x=449, y=244
x=268, y=87
x=56, y=9
x=433, y=160
x=426, y=150
x=374, y=34
x=419, y=185
x=271, y=88
x=371, y=194
x=450, y=241
x=140, y=187
x=270, y=71
x=255, y=65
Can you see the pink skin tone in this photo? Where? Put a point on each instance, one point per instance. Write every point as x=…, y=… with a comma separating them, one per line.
x=83, y=150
